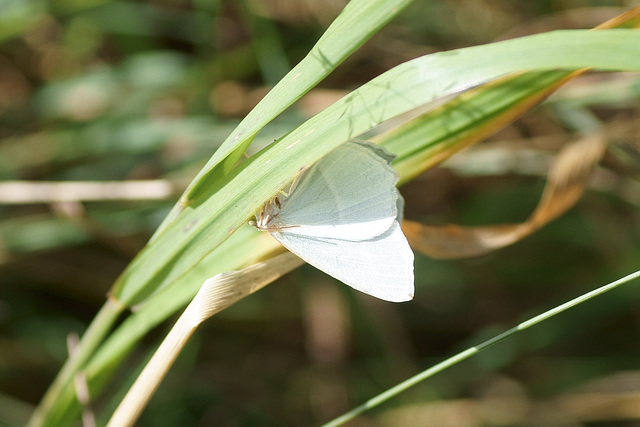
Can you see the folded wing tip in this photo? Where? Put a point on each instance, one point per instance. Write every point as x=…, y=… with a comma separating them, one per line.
x=406, y=298
x=400, y=296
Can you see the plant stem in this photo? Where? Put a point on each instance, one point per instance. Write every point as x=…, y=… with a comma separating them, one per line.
x=393, y=391
x=94, y=335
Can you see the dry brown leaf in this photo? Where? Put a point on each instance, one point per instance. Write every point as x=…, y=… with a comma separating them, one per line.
x=567, y=180
x=566, y=184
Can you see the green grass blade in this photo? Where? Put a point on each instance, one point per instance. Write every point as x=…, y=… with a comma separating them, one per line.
x=355, y=25
x=405, y=385
x=215, y=214
x=429, y=139
x=183, y=251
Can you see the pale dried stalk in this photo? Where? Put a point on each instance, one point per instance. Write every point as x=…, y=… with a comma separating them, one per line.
x=20, y=192
x=216, y=294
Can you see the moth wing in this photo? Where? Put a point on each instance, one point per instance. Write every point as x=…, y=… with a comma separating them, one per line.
x=381, y=266
x=350, y=193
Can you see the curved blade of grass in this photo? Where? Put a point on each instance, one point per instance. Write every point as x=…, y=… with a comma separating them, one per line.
x=492, y=104
x=449, y=129
x=359, y=20
x=405, y=385
x=215, y=214
x=433, y=137
x=429, y=138
x=176, y=251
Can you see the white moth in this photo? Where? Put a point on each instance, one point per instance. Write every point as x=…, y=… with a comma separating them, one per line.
x=341, y=216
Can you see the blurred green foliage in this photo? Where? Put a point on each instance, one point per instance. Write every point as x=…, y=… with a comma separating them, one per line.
x=119, y=90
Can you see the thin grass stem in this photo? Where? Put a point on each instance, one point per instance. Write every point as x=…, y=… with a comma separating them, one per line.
x=394, y=391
